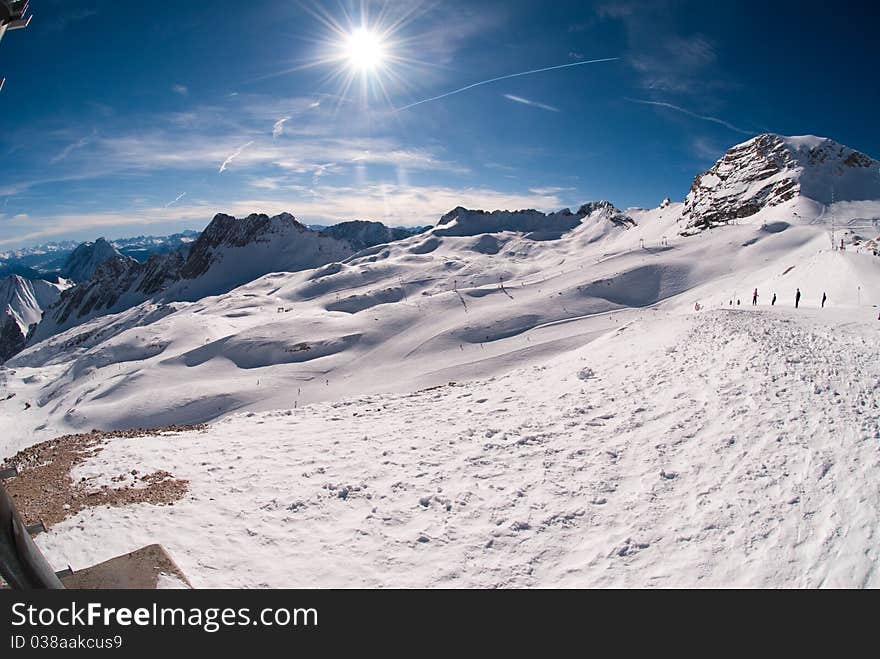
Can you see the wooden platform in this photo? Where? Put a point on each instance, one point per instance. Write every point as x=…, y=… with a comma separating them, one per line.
x=139, y=570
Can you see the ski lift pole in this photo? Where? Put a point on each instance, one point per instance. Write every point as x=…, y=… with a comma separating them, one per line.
x=22, y=564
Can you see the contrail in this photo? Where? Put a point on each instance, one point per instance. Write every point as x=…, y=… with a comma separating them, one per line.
x=507, y=77
x=715, y=120
x=235, y=155
x=534, y=104
x=179, y=197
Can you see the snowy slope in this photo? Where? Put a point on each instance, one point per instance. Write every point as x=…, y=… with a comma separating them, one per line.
x=507, y=399
x=726, y=450
x=21, y=304
x=415, y=313
x=228, y=253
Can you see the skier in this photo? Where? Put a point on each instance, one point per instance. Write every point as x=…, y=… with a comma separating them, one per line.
x=797, y=298
x=824, y=297
x=773, y=301
x=755, y=298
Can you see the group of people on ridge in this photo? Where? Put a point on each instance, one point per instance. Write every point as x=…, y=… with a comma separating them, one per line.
x=797, y=299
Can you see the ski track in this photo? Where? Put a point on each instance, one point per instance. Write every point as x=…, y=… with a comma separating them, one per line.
x=734, y=448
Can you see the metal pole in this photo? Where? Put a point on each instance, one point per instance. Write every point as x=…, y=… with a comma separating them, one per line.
x=22, y=564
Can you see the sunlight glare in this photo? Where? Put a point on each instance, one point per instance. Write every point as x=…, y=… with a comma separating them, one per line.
x=364, y=50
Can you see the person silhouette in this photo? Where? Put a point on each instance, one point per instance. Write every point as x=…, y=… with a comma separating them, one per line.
x=797, y=298
x=824, y=297
x=773, y=301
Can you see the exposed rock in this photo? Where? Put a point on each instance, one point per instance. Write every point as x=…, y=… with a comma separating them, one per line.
x=770, y=170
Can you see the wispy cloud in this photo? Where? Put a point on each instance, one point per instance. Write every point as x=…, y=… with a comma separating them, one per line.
x=550, y=190
x=393, y=204
x=232, y=157
x=179, y=197
x=666, y=57
x=676, y=108
x=534, y=104
x=706, y=150
x=183, y=90
x=70, y=148
x=278, y=128
x=504, y=77
x=188, y=151
x=64, y=19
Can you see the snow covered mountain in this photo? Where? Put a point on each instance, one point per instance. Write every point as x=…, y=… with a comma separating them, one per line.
x=361, y=234
x=228, y=253
x=536, y=225
x=142, y=247
x=86, y=258
x=805, y=173
x=21, y=304
x=41, y=252
x=510, y=398
x=47, y=260
x=480, y=279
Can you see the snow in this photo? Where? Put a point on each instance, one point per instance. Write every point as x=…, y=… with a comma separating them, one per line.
x=85, y=259
x=508, y=399
x=229, y=253
x=25, y=299
x=399, y=317
x=725, y=451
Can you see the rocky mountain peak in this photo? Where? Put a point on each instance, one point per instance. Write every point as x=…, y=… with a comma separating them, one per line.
x=770, y=170
x=85, y=259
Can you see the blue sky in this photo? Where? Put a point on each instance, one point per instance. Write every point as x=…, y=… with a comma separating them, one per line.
x=118, y=120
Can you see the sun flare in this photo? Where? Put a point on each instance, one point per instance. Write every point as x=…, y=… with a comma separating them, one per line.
x=364, y=50
x=368, y=57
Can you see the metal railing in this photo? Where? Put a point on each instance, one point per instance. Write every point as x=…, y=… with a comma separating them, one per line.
x=22, y=564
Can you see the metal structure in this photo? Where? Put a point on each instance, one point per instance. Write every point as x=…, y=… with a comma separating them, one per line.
x=13, y=16
x=22, y=564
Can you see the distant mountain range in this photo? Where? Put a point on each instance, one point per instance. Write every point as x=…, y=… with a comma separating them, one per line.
x=47, y=260
x=103, y=277
x=771, y=180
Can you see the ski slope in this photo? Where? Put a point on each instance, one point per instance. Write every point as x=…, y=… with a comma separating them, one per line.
x=407, y=315
x=730, y=448
x=509, y=399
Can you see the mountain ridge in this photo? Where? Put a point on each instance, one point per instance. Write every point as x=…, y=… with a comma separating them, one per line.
x=770, y=170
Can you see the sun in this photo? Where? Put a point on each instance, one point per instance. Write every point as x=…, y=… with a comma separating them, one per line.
x=364, y=50
x=373, y=55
